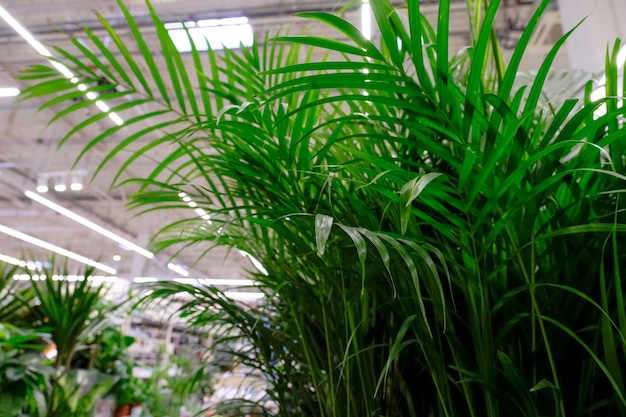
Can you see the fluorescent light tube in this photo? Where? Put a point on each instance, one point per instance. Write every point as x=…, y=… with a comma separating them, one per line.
x=56, y=249
x=201, y=281
x=116, y=119
x=9, y=92
x=11, y=260
x=102, y=106
x=141, y=280
x=98, y=229
x=366, y=19
x=244, y=296
x=186, y=280
x=65, y=71
x=226, y=281
x=42, y=50
x=257, y=264
x=178, y=269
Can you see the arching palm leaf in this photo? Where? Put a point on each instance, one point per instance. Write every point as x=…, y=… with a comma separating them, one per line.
x=424, y=224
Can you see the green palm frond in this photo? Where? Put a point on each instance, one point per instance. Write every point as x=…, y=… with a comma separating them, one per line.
x=439, y=238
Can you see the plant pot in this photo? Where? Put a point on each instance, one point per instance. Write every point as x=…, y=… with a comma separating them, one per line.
x=122, y=410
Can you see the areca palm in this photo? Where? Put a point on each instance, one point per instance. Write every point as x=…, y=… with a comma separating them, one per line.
x=435, y=242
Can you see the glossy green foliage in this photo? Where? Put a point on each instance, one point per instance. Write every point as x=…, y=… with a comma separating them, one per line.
x=23, y=372
x=437, y=240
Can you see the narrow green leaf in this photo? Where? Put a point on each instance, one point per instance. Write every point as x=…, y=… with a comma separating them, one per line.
x=325, y=43
x=323, y=226
x=410, y=191
x=128, y=57
x=144, y=49
x=347, y=29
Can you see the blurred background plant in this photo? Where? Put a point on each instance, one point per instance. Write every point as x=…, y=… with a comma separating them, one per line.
x=183, y=384
x=433, y=241
x=23, y=373
x=53, y=366
x=15, y=296
x=74, y=311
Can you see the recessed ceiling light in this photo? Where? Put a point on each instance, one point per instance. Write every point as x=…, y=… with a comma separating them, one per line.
x=117, y=258
x=76, y=181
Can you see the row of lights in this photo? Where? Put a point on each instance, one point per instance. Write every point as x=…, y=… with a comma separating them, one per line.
x=235, y=295
x=70, y=278
x=56, y=249
x=199, y=211
x=60, y=181
x=125, y=243
x=206, y=216
x=38, y=266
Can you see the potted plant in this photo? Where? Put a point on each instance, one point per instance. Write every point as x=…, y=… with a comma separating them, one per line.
x=74, y=312
x=24, y=370
x=129, y=393
x=431, y=239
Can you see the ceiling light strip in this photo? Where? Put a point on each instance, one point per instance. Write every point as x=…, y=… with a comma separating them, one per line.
x=56, y=249
x=178, y=269
x=206, y=216
x=9, y=91
x=11, y=260
x=143, y=280
x=204, y=281
x=42, y=50
x=366, y=19
x=87, y=223
x=244, y=296
x=234, y=295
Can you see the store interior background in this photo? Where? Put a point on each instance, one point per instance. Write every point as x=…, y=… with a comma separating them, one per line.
x=29, y=154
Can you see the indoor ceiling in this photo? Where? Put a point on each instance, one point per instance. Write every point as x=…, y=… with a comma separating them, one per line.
x=28, y=147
